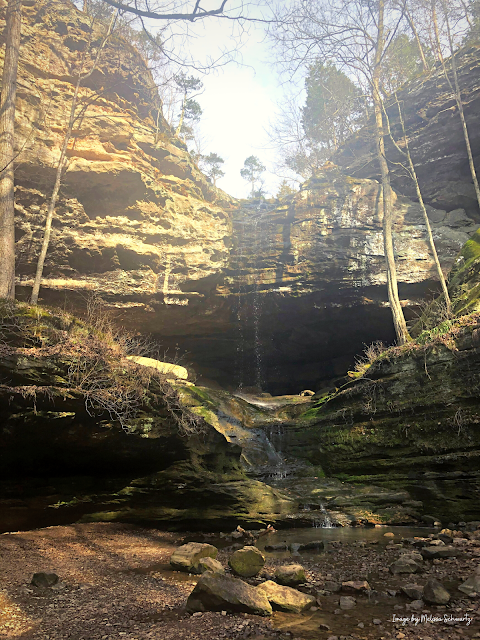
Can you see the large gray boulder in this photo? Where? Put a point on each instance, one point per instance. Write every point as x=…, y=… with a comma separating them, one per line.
x=290, y=575
x=187, y=557
x=435, y=593
x=215, y=592
x=472, y=583
x=247, y=562
x=404, y=564
x=431, y=553
x=285, y=598
x=413, y=591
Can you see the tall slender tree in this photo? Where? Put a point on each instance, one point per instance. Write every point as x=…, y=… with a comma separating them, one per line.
x=7, y=152
x=355, y=35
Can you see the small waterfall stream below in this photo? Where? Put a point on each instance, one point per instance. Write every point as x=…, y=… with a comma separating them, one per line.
x=259, y=426
x=263, y=447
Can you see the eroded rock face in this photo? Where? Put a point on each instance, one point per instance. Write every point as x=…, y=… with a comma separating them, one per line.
x=411, y=424
x=310, y=279
x=136, y=218
x=435, y=138
x=280, y=299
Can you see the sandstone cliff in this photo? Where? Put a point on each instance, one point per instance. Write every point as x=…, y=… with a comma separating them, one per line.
x=435, y=137
x=283, y=299
x=411, y=422
x=136, y=217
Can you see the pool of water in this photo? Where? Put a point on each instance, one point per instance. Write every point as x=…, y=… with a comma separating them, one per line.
x=344, y=534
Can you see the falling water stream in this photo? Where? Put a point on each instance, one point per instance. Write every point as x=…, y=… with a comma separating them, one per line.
x=248, y=262
x=248, y=256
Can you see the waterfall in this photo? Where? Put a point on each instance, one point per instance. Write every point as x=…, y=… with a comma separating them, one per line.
x=247, y=264
x=326, y=522
x=275, y=438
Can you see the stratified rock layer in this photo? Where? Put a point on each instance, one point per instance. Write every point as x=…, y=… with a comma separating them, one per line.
x=281, y=299
x=435, y=137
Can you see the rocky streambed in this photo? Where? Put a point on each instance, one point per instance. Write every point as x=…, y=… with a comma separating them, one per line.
x=116, y=581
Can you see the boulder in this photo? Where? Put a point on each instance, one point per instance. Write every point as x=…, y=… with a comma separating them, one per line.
x=285, y=598
x=413, y=591
x=44, y=580
x=347, y=602
x=431, y=553
x=355, y=586
x=214, y=592
x=472, y=583
x=435, y=593
x=209, y=564
x=413, y=555
x=290, y=575
x=166, y=368
x=247, y=562
x=283, y=546
x=332, y=586
x=187, y=557
x=404, y=564
x=444, y=537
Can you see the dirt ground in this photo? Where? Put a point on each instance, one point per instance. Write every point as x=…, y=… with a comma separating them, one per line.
x=116, y=584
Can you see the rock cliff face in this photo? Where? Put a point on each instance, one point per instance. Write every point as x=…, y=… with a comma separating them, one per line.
x=85, y=432
x=435, y=138
x=412, y=422
x=280, y=299
x=136, y=218
x=307, y=280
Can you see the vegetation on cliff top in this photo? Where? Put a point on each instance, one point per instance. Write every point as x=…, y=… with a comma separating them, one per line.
x=89, y=359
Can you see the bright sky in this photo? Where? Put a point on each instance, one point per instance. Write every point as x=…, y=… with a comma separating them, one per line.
x=238, y=103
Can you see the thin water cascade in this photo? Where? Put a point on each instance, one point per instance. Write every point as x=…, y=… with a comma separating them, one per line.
x=275, y=437
x=248, y=263
x=326, y=522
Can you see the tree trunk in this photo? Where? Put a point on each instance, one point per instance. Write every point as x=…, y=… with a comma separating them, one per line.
x=431, y=241
x=61, y=166
x=7, y=139
x=53, y=198
x=436, y=32
x=458, y=99
x=392, y=285
x=182, y=115
x=417, y=40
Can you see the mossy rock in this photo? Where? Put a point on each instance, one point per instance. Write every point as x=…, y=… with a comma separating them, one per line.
x=247, y=562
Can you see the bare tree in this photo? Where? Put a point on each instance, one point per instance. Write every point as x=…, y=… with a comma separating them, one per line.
x=355, y=35
x=74, y=118
x=7, y=153
x=456, y=90
x=410, y=169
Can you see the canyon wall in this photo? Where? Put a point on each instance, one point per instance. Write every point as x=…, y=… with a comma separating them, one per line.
x=280, y=298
